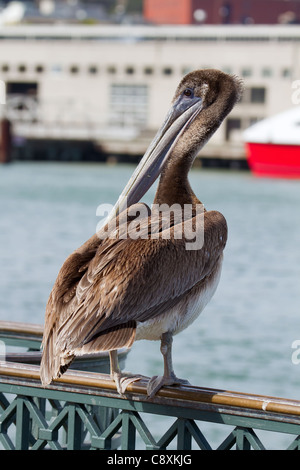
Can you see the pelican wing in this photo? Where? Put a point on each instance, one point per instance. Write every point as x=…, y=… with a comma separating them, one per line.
x=132, y=280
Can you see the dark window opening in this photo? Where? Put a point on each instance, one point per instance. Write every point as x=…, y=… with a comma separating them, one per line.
x=148, y=70
x=39, y=69
x=93, y=69
x=129, y=70
x=167, y=71
x=74, y=69
x=22, y=88
x=232, y=125
x=111, y=70
x=257, y=95
x=22, y=68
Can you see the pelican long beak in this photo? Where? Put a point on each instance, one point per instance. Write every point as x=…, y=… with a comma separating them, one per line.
x=179, y=117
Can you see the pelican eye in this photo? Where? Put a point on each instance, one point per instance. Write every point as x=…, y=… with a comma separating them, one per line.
x=188, y=92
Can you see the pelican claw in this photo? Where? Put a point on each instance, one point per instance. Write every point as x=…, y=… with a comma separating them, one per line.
x=159, y=381
x=123, y=380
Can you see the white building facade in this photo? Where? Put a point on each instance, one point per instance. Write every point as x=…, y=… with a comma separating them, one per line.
x=113, y=84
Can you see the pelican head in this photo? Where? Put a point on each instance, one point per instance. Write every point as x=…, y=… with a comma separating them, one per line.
x=201, y=102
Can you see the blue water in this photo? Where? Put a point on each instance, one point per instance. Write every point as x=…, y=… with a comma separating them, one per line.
x=243, y=340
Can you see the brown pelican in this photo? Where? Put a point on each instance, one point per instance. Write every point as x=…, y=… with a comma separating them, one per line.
x=116, y=289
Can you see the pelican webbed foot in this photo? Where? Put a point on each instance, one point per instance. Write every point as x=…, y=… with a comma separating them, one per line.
x=159, y=381
x=121, y=379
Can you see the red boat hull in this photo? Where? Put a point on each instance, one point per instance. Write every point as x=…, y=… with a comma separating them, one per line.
x=281, y=161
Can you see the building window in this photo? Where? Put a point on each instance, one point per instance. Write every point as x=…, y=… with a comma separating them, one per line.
x=148, y=71
x=266, y=72
x=232, y=124
x=22, y=101
x=74, y=69
x=258, y=95
x=128, y=105
x=39, y=69
x=111, y=69
x=167, y=71
x=22, y=68
x=246, y=72
x=93, y=69
x=20, y=88
x=286, y=73
x=129, y=70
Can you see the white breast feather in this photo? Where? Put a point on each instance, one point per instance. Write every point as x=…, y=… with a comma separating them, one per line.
x=182, y=315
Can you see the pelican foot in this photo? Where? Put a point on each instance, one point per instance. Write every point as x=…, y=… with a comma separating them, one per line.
x=123, y=380
x=158, y=381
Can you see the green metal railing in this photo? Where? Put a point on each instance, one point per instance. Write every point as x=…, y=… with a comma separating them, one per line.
x=83, y=410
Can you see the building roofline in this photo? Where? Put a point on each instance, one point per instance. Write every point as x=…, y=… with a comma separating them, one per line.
x=145, y=32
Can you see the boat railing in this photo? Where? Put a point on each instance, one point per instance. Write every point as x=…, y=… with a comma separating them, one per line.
x=83, y=410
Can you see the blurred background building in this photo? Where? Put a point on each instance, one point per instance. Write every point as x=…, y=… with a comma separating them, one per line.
x=222, y=11
x=159, y=11
x=88, y=80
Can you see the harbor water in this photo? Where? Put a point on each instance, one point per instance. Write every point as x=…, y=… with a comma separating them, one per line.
x=245, y=340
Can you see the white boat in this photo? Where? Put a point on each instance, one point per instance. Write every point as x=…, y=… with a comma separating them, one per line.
x=273, y=145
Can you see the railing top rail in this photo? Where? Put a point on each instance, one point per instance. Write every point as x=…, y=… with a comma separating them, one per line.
x=189, y=396
x=21, y=328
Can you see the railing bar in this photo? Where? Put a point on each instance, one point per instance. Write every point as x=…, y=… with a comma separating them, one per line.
x=184, y=438
x=74, y=435
x=105, y=439
x=4, y=403
x=21, y=328
x=295, y=445
x=197, y=434
x=190, y=394
x=228, y=442
x=222, y=415
x=8, y=415
x=128, y=437
x=6, y=442
x=168, y=437
x=254, y=441
x=39, y=444
x=242, y=442
x=143, y=431
x=22, y=424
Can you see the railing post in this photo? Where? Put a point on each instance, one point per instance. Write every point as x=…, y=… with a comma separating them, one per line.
x=184, y=438
x=128, y=432
x=242, y=442
x=74, y=436
x=22, y=424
